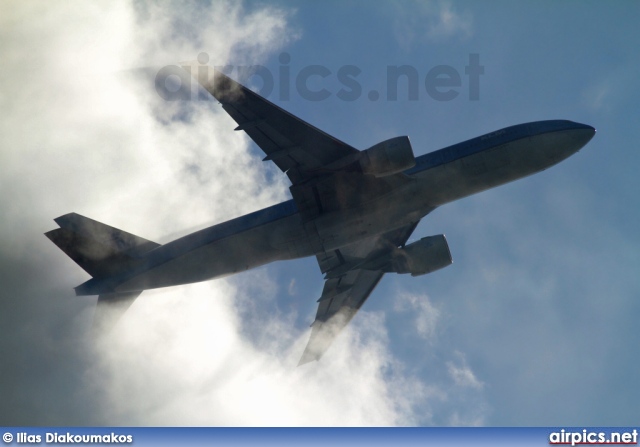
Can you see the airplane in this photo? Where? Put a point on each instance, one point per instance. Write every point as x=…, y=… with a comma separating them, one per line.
x=354, y=210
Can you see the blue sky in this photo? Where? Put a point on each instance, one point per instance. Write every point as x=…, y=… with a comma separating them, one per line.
x=535, y=323
x=541, y=298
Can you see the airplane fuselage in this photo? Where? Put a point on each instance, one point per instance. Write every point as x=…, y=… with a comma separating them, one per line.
x=282, y=231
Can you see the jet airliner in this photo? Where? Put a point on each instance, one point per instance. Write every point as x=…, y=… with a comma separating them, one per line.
x=354, y=210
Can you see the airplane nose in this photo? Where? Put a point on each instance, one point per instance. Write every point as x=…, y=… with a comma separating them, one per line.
x=585, y=134
x=584, y=127
x=577, y=135
x=560, y=145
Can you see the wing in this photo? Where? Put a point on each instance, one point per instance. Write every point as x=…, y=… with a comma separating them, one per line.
x=296, y=147
x=348, y=286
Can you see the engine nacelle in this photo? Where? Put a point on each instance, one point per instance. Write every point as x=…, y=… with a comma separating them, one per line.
x=388, y=157
x=424, y=256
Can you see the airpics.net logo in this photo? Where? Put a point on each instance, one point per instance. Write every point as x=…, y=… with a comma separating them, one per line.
x=586, y=437
x=312, y=82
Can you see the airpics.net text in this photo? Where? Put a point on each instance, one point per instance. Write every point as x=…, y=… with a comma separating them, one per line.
x=311, y=82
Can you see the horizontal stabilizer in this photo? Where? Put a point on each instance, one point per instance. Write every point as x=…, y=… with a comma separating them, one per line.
x=111, y=237
x=101, y=250
x=110, y=308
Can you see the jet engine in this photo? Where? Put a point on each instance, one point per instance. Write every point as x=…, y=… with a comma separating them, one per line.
x=419, y=258
x=388, y=157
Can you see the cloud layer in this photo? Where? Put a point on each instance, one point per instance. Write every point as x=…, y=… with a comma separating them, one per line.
x=83, y=132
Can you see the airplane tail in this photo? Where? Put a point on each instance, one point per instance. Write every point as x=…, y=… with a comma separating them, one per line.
x=103, y=252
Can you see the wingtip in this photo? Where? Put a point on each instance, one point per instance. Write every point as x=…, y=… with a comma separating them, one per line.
x=63, y=220
x=307, y=358
x=51, y=234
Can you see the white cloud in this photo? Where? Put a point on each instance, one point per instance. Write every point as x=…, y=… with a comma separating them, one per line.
x=455, y=395
x=461, y=374
x=80, y=136
x=181, y=358
x=425, y=314
x=436, y=21
x=610, y=91
x=597, y=97
x=292, y=287
x=445, y=22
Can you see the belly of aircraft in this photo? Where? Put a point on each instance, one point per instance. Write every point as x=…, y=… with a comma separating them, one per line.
x=223, y=257
x=283, y=239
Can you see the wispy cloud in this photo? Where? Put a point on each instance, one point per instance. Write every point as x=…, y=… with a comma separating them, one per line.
x=456, y=395
x=435, y=21
x=598, y=97
x=445, y=22
x=424, y=313
x=462, y=374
